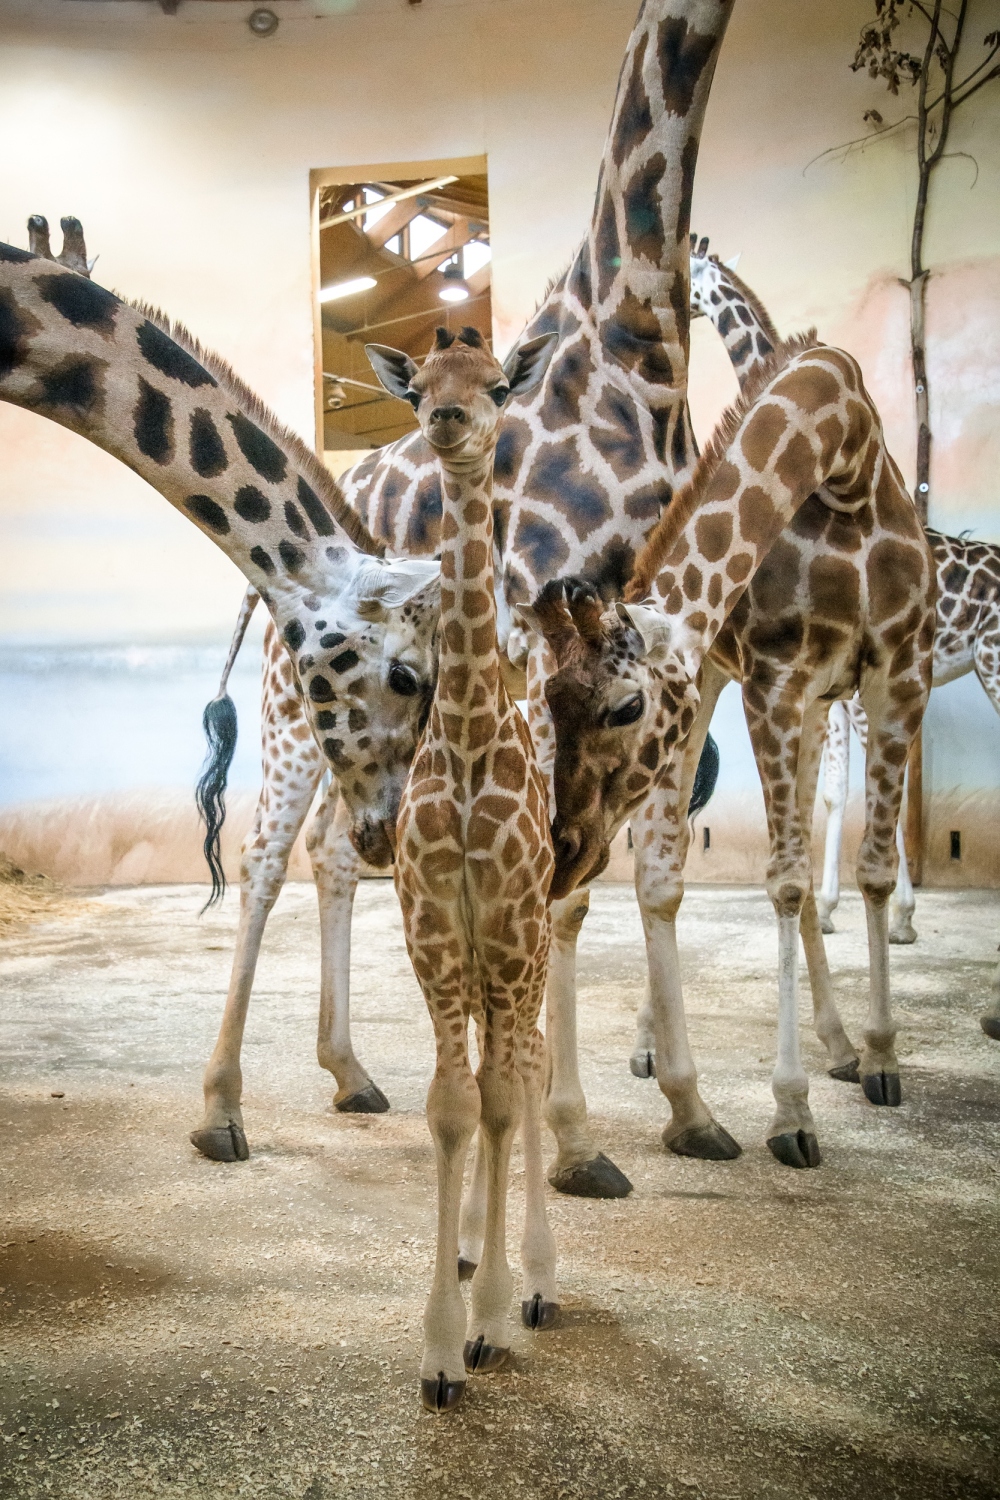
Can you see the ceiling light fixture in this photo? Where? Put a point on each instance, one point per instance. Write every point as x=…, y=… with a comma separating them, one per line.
x=262, y=22
x=454, y=289
x=346, y=288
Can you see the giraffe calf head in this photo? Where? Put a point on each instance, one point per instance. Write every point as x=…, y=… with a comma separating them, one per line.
x=460, y=392
x=621, y=701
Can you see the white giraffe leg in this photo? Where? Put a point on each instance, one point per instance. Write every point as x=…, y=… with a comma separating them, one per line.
x=842, y=1054
x=836, y=770
x=335, y=865
x=281, y=811
x=579, y=1168
x=660, y=839
x=986, y=662
x=539, y=1297
x=903, y=905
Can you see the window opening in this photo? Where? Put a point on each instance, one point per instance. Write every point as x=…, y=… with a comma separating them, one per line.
x=398, y=257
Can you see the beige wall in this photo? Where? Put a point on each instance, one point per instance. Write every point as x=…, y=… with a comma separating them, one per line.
x=185, y=145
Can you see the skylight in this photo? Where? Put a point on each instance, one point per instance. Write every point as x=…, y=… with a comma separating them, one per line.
x=423, y=232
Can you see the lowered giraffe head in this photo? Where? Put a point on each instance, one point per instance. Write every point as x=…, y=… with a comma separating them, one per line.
x=460, y=392
x=621, y=697
x=360, y=629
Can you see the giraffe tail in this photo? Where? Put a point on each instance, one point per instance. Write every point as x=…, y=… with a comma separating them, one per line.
x=705, y=777
x=220, y=726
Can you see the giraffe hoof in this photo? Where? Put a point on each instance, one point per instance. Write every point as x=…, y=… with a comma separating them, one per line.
x=797, y=1148
x=441, y=1394
x=904, y=933
x=367, y=1101
x=846, y=1073
x=539, y=1314
x=482, y=1358
x=882, y=1088
x=825, y=922
x=599, y=1178
x=643, y=1064
x=709, y=1142
x=991, y=1026
x=466, y=1269
x=222, y=1143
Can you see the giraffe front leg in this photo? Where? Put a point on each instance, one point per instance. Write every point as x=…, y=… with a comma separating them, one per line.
x=579, y=1169
x=501, y=1106
x=891, y=727
x=660, y=838
x=835, y=786
x=472, y=1219
x=281, y=811
x=841, y=1051
x=335, y=868
x=792, y=1138
x=539, y=1298
x=901, y=928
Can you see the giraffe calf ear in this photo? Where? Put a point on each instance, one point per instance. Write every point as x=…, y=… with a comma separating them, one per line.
x=525, y=366
x=651, y=625
x=733, y=261
x=394, y=369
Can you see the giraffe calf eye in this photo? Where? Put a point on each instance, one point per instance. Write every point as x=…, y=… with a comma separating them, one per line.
x=627, y=712
x=403, y=681
x=499, y=394
x=414, y=398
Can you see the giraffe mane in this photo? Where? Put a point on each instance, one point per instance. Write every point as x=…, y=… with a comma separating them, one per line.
x=316, y=472
x=757, y=307
x=663, y=537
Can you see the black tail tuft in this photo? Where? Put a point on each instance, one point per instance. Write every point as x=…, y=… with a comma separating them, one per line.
x=705, y=777
x=219, y=724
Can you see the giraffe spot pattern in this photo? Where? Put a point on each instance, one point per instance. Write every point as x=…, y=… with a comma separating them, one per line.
x=17, y=325
x=295, y=519
x=159, y=350
x=320, y=690
x=260, y=451
x=643, y=224
x=619, y=442
x=683, y=54
x=205, y=509
x=262, y=560
x=315, y=509
x=293, y=557
x=635, y=338
x=74, y=382
x=13, y=255
x=252, y=505
x=634, y=121
x=556, y=476
x=344, y=662
x=206, y=448
x=153, y=423
x=293, y=634
x=81, y=302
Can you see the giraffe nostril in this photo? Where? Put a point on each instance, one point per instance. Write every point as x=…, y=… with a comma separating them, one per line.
x=448, y=414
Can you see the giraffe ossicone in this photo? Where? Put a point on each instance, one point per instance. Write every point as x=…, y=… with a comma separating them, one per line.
x=473, y=867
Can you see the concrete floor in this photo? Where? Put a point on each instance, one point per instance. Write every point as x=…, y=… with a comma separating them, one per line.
x=174, y=1326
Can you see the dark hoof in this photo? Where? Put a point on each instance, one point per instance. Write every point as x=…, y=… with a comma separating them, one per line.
x=991, y=1026
x=223, y=1143
x=539, y=1315
x=466, y=1269
x=795, y=1149
x=882, y=1088
x=643, y=1064
x=846, y=1073
x=482, y=1358
x=441, y=1394
x=599, y=1178
x=709, y=1142
x=826, y=926
x=367, y=1101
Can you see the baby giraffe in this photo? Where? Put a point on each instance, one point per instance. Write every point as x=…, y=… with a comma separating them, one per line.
x=473, y=868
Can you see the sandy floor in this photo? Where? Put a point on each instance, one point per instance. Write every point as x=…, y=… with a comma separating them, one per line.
x=174, y=1326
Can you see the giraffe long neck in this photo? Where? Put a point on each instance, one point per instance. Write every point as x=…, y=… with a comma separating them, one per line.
x=739, y=317
x=469, y=683
x=793, y=442
x=638, y=240
x=73, y=352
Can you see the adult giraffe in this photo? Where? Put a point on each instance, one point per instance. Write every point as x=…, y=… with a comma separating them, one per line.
x=350, y=620
x=843, y=600
x=584, y=467
x=967, y=631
